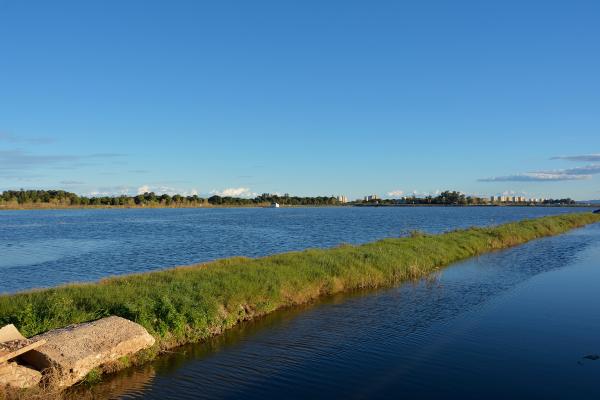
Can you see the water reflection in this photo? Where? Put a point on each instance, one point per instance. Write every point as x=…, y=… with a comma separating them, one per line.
x=133, y=380
x=512, y=323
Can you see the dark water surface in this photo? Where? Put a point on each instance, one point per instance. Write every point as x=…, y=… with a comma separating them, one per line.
x=512, y=324
x=44, y=248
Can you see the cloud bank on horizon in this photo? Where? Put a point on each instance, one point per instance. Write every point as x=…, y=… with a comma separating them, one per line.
x=395, y=193
x=234, y=192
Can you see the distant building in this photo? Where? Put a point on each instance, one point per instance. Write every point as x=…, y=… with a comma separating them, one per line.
x=342, y=199
x=371, y=197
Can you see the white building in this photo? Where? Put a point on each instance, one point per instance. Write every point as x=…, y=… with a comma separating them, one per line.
x=342, y=199
x=371, y=197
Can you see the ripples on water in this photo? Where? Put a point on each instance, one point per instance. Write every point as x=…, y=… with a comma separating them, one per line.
x=34, y=252
x=510, y=324
x=45, y=248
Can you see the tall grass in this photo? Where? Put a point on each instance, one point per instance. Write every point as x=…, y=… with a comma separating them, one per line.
x=191, y=303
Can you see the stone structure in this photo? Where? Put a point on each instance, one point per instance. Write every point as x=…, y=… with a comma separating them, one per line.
x=72, y=352
x=18, y=376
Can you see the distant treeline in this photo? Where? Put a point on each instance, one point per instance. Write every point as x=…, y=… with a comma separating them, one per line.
x=456, y=198
x=61, y=198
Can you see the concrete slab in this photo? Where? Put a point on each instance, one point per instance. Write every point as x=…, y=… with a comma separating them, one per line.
x=9, y=332
x=74, y=351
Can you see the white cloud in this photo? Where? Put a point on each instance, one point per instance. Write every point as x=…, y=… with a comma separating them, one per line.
x=568, y=174
x=143, y=189
x=582, y=157
x=5, y=137
x=110, y=191
x=396, y=193
x=20, y=160
x=234, y=192
x=537, y=177
x=591, y=169
x=71, y=182
x=166, y=190
x=171, y=191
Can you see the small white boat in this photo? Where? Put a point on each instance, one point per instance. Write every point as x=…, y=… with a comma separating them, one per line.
x=274, y=205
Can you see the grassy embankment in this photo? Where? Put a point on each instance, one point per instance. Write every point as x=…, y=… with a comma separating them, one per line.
x=191, y=303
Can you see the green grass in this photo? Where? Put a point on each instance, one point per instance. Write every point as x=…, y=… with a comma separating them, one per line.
x=188, y=304
x=93, y=377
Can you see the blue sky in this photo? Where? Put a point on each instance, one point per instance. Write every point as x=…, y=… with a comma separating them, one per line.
x=305, y=97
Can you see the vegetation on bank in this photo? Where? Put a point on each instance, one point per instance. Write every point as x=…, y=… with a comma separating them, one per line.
x=15, y=199
x=453, y=197
x=33, y=199
x=191, y=303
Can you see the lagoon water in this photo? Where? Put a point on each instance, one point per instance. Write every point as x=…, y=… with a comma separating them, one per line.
x=518, y=323
x=42, y=248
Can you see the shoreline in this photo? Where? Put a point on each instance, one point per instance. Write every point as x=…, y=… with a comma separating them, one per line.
x=192, y=303
x=57, y=208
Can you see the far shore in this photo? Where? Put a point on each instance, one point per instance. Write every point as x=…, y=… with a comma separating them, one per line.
x=44, y=206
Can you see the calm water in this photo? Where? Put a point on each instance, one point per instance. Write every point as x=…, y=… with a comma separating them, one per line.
x=512, y=324
x=46, y=248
